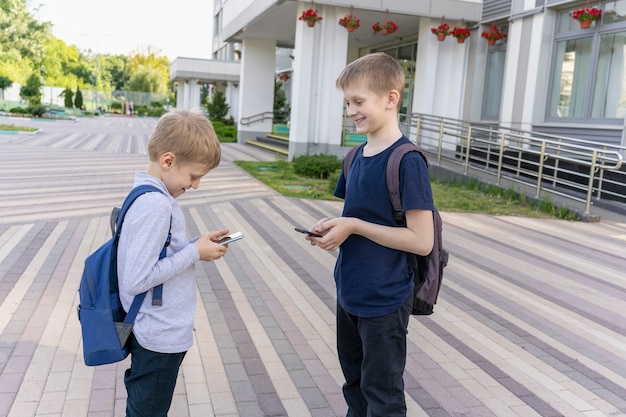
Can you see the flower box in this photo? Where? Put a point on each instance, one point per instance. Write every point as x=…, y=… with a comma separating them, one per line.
x=385, y=28
x=350, y=22
x=586, y=16
x=441, y=31
x=493, y=34
x=460, y=33
x=310, y=16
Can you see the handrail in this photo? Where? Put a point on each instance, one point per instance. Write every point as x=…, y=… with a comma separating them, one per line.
x=255, y=118
x=568, y=167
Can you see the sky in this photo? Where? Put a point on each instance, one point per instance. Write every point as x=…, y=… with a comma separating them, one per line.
x=180, y=28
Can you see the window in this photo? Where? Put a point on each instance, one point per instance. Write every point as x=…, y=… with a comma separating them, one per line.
x=406, y=56
x=494, y=79
x=589, y=73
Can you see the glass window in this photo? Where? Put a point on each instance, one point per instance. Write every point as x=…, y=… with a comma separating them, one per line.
x=571, y=73
x=589, y=73
x=494, y=79
x=406, y=56
x=609, y=98
x=614, y=11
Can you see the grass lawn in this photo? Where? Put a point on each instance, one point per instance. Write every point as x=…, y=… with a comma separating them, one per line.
x=17, y=128
x=450, y=197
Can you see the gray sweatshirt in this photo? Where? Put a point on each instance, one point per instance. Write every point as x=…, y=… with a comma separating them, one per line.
x=167, y=328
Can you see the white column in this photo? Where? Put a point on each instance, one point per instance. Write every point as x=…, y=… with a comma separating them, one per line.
x=232, y=98
x=184, y=95
x=316, y=109
x=195, y=88
x=440, y=73
x=513, y=45
x=188, y=96
x=180, y=95
x=257, y=76
x=425, y=88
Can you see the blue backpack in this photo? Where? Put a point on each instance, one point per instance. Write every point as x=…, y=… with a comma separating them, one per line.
x=104, y=324
x=427, y=270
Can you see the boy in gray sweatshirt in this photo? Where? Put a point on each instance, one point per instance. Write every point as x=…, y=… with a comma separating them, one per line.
x=183, y=148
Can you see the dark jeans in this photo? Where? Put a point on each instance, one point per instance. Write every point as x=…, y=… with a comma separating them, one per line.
x=372, y=354
x=150, y=381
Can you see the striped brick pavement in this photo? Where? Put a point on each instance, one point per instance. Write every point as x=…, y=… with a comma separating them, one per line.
x=531, y=320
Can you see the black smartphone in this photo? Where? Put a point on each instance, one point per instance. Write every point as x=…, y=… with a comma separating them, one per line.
x=301, y=230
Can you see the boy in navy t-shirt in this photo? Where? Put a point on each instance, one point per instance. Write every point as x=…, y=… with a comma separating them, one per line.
x=373, y=278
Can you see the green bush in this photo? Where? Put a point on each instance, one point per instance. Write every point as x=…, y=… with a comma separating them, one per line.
x=332, y=181
x=316, y=166
x=36, y=110
x=156, y=112
x=18, y=110
x=225, y=132
x=141, y=110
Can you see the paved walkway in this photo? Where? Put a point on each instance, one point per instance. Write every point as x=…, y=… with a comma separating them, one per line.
x=531, y=321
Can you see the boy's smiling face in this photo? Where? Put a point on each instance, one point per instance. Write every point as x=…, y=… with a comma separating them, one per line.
x=179, y=177
x=367, y=109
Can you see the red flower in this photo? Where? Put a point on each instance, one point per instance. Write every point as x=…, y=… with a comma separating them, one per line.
x=310, y=15
x=493, y=33
x=442, y=28
x=349, y=20
x=386, y=28
x=587, y=13
x=462, y=33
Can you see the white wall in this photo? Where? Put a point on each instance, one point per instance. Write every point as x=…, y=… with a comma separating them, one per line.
x=440, y=72
x=258, y=59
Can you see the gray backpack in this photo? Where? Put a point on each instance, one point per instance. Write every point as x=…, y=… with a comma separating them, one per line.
x=427, y=270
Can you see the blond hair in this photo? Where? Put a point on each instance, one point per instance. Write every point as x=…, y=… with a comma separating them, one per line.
x=187, y=134
x=379, y=72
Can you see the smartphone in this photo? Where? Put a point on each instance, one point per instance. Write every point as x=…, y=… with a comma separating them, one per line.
x=301, y=230
x=233, y=237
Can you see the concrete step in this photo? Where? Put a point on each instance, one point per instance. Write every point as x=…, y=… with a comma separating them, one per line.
x=268, y=146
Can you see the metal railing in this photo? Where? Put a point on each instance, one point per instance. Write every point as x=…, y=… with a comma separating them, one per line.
x=255, y=118
x=583, y=171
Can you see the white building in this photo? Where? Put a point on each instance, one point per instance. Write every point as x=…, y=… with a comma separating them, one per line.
x=547, y=75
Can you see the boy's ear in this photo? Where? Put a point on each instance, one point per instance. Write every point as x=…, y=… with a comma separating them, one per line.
x=167, y=159
x=393, y=98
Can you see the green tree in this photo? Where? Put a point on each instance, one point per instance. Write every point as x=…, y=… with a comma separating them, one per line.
x=5, y=82
x=282, y=109
x=68, y=96
x=218, y=108
x=31, y=91
x=118, y=69
x=22, y=40
x=66, y=65
x=159, y=66
x=204, y=94
x=148, y=80
x=78, y=100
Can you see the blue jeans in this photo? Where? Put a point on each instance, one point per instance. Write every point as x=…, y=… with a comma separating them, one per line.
x=372, y=354
x=150, y=381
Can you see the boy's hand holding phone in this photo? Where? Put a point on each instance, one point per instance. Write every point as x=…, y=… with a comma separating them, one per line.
x=334, y=230
x=209, y=248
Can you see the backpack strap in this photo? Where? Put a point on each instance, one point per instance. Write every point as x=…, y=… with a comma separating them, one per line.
x=157, y=292
x=393, y=175
x=347, y=160
x=392, y=172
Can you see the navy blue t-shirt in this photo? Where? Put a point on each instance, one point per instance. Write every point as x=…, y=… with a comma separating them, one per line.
x=371, y=279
